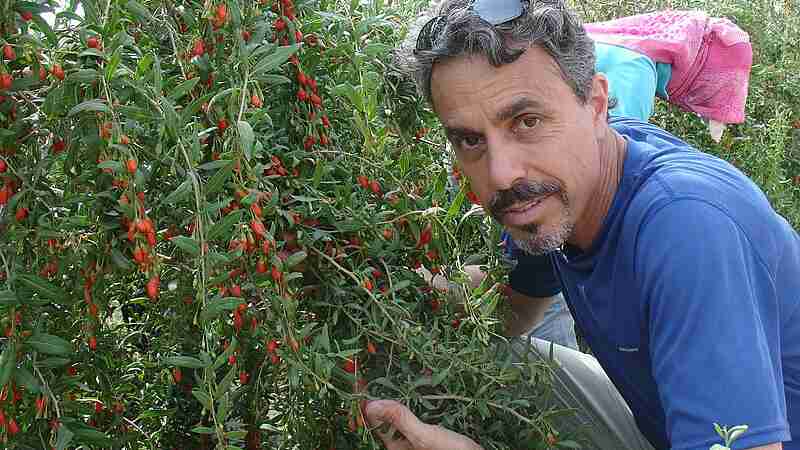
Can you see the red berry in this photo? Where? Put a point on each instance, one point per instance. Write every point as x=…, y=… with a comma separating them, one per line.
x=92, y=343
x=279, y=24
x=93, y=42
x=276, y=274
x=5, y=81
x=222, y=124
x=3, y=166
x=367, y=284
x=232, y=359
x=425, y=237
x=13, y=428
x=26, y=15
x=363, y=181
x=371, y=348
x=272, y=345
x=177, y=375
x=22, y=214
x=58, y=146
x=152, y=287
x=243, y=377
x=246, y=35
x=375, y=187
x=261, y=266
x=132, y=165
x=98, y=407
x=255, y=100
x=301, y=95
x=236, y=291
x=199, y=48
x=8, y=52
x=350, y=365
x=57, y=71
x=455, y=323
x=258, y=228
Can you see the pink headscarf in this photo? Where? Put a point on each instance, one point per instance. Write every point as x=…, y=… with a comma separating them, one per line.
x=710, y=57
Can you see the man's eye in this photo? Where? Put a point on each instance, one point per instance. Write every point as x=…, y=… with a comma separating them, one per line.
x=528, y=123
x=470, y=141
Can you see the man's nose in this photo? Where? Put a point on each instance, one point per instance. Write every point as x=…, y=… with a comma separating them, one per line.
x=505, y=165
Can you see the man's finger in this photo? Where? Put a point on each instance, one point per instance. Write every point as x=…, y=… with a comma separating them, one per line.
x=400, y=421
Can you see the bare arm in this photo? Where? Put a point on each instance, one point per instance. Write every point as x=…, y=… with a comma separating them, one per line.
x=525, y=312
x=775, y=446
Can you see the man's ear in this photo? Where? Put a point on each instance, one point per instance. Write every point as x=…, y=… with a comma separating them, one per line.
x=598, y=98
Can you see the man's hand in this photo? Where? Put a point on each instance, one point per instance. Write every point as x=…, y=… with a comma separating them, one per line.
x=415, y=434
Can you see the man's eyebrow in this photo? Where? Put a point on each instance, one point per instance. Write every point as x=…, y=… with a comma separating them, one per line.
x=458, y=131
x=516, y=107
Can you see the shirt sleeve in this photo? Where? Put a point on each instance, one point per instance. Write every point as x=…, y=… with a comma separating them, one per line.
x=714, y=333
x=533, y=276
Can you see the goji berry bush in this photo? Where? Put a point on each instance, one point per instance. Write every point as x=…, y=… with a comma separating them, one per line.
x=211, y=214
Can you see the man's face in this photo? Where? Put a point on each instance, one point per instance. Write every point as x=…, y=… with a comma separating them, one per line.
x=526, y=142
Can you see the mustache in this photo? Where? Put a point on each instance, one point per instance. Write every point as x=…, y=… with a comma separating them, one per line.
x=521, y=192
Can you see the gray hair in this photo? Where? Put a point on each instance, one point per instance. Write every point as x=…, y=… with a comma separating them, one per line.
x=547, y=23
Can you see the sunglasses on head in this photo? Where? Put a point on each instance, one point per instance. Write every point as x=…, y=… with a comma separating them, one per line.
x=495, y=12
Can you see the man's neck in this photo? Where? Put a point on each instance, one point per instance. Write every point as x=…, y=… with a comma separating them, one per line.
x=613, y=149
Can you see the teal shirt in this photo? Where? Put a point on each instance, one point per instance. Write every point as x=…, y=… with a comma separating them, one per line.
x=634, y=80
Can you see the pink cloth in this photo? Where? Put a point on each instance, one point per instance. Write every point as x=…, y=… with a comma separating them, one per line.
x=710, y=57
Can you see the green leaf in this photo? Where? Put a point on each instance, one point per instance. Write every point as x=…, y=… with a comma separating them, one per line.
x=275, y=59
x=203, y=398
x=183, y=88
x=220, y=227
x=225, y=384
x=41, y=286
x=64, y=437
x=138, y=11
x=223, y=358
x=218, y=180
x=183, y=361
x=89, y=105
x=91, y=436
x=25, y=378
x=50, y=344
x=8, y=298
x=187, y=244
x=180, y=192
x=120, y=260
x=400, y=285
x=215, y=306
x=295, y=258
x=116, y=166
x=573, y=444
x=246, y=138
x=203, y=430
x=273, y=79
x=45, y=28
x=50, y=363
x=84, y=76
x=375, y=49
x=8, y=360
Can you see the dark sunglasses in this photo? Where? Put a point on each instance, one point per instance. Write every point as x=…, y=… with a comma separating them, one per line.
x=495, y=12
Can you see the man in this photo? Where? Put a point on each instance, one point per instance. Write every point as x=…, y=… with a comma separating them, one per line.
x=634, y=81
x=679, y=274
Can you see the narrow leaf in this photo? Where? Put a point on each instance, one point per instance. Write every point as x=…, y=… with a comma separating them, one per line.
x=89, y=105
x=183, y=361
x=50, y=344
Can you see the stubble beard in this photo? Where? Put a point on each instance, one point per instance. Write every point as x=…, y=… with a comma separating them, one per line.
x=534, y=240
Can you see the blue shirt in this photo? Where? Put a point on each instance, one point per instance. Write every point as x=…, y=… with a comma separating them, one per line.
x=689, y=297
